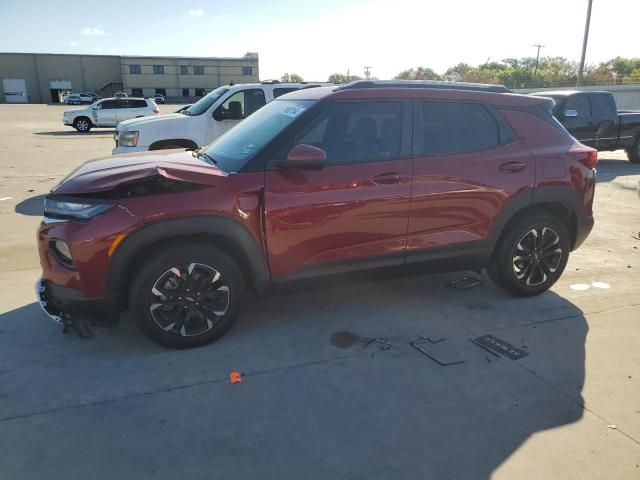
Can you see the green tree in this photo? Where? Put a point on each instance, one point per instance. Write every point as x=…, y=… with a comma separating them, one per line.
x=342, y=78
x=420, y=73
x=291, y=77
x=454, y=74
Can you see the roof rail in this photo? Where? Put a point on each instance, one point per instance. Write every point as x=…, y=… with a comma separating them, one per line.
x=481, y=87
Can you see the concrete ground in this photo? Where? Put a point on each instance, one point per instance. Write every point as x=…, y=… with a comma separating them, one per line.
x=316, y=402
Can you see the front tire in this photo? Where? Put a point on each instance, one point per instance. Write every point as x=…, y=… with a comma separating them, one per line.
x=531, y=255
x=82, y=124
x=187, y=295
x=633, y=154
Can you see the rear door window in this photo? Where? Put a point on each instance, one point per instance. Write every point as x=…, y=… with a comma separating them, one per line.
x=450, y=128
x=603, y=105
x=278, y=92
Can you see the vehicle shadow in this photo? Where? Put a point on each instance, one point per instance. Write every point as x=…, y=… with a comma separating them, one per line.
x=610, y=169
x=33, y=206
x=74, y=133
x=387, y=413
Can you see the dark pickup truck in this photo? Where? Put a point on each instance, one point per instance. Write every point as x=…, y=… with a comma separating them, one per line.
x=592, y=118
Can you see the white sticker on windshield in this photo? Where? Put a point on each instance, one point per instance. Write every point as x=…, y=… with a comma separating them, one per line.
x=293, y=110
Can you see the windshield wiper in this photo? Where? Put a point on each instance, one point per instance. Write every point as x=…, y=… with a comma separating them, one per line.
x=201, y=153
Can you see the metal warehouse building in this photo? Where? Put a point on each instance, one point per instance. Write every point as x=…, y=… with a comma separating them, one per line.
x=43, y=77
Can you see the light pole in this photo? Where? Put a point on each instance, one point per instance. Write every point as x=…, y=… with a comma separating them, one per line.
x=584, y=44
x=535, y=70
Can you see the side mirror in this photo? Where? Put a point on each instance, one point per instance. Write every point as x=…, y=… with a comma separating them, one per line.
x=217, y=114
x=303, y=157
x=570, y=113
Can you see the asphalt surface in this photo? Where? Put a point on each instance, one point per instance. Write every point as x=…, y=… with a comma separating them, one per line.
x=319, y=399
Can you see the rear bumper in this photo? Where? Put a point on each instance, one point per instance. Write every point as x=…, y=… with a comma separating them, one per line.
x=585, y=225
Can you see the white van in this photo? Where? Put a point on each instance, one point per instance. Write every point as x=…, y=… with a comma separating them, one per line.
x=202, y=122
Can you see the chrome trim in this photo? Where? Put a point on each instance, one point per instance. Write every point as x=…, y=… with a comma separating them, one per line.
x=48, y=220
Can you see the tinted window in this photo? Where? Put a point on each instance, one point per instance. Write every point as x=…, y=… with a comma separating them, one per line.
x=603, y=105
x=353, y=132
x=579, y=103
x=198, y=69
x=249, y=100
x=449, y=128
x=158, y=69
x=108, y=104
x=277, y=92
x=184, y=70
x=135, y=69
x=138, y=103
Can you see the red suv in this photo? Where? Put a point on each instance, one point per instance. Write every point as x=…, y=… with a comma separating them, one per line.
x=319, y=181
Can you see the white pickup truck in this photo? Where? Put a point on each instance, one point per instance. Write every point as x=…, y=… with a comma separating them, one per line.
x=202, y=122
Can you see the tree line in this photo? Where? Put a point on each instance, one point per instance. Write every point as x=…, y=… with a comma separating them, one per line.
x=518, y=73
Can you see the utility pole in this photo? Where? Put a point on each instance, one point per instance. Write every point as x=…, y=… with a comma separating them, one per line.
x=367, y=72
x=584, y=44
x=535, y=70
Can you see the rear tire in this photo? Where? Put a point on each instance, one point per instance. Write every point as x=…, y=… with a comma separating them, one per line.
x=82, y=124
x=531, y=255
x=187, y=295
x=633, y=154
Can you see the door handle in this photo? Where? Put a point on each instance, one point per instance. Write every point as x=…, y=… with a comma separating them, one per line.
x=512, y=167
x=388, y=178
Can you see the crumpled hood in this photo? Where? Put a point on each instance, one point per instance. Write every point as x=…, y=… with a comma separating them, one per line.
x=107, y=173
x=127, y=125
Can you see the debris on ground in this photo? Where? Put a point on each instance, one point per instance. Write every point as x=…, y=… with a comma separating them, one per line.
x=464, y=283
x=235, y=377
x=441, y=352
x=494, y=344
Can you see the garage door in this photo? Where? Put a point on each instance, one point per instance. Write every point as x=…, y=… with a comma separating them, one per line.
x=15, y=90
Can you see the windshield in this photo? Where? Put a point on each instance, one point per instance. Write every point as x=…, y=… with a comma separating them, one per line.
x=205, y=102
x=235, y=148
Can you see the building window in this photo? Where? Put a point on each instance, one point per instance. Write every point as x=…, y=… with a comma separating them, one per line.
x=158, y=69
x=136, y=92
x=200, y=92
x=161, y=91
x=198, y=69
x=135, y=70
x=247, y=71
x=184, y=70
x=185, y=92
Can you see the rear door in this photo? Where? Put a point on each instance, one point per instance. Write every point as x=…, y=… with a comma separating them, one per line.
x=605, y=120
x=127, y=109
x=576, y=116
x=354, y=210
x=467, y=164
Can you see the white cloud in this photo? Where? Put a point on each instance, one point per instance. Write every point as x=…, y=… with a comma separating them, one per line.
x=196, y=12
x=74, y=44
x=97, y=31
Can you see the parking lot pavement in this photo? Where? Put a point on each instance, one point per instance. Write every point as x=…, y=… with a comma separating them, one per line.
x=317, y=400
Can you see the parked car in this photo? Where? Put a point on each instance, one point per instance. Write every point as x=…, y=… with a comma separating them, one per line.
x=108, y=112
x=182, y=108
x=79, y=98
x=158, y=98
x=201, y=123
x=120, y=95
x=592, y=117
x=319, y=181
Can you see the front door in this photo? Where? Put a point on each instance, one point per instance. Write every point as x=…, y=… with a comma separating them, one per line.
x=235, y=108
x=104, y=113
x=468, y=163
x=353, y=211
x=580, y=123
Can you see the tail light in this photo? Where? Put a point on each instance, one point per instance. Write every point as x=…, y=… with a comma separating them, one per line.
x=585, y=155
x=156, y=111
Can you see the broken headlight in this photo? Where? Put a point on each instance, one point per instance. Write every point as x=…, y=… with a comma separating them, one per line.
x=128, y=139
x=81, y=210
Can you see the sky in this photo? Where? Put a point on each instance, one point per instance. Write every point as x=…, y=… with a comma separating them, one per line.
x=316, y=39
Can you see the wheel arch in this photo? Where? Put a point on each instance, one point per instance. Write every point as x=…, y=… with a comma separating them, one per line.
x=225, y=233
